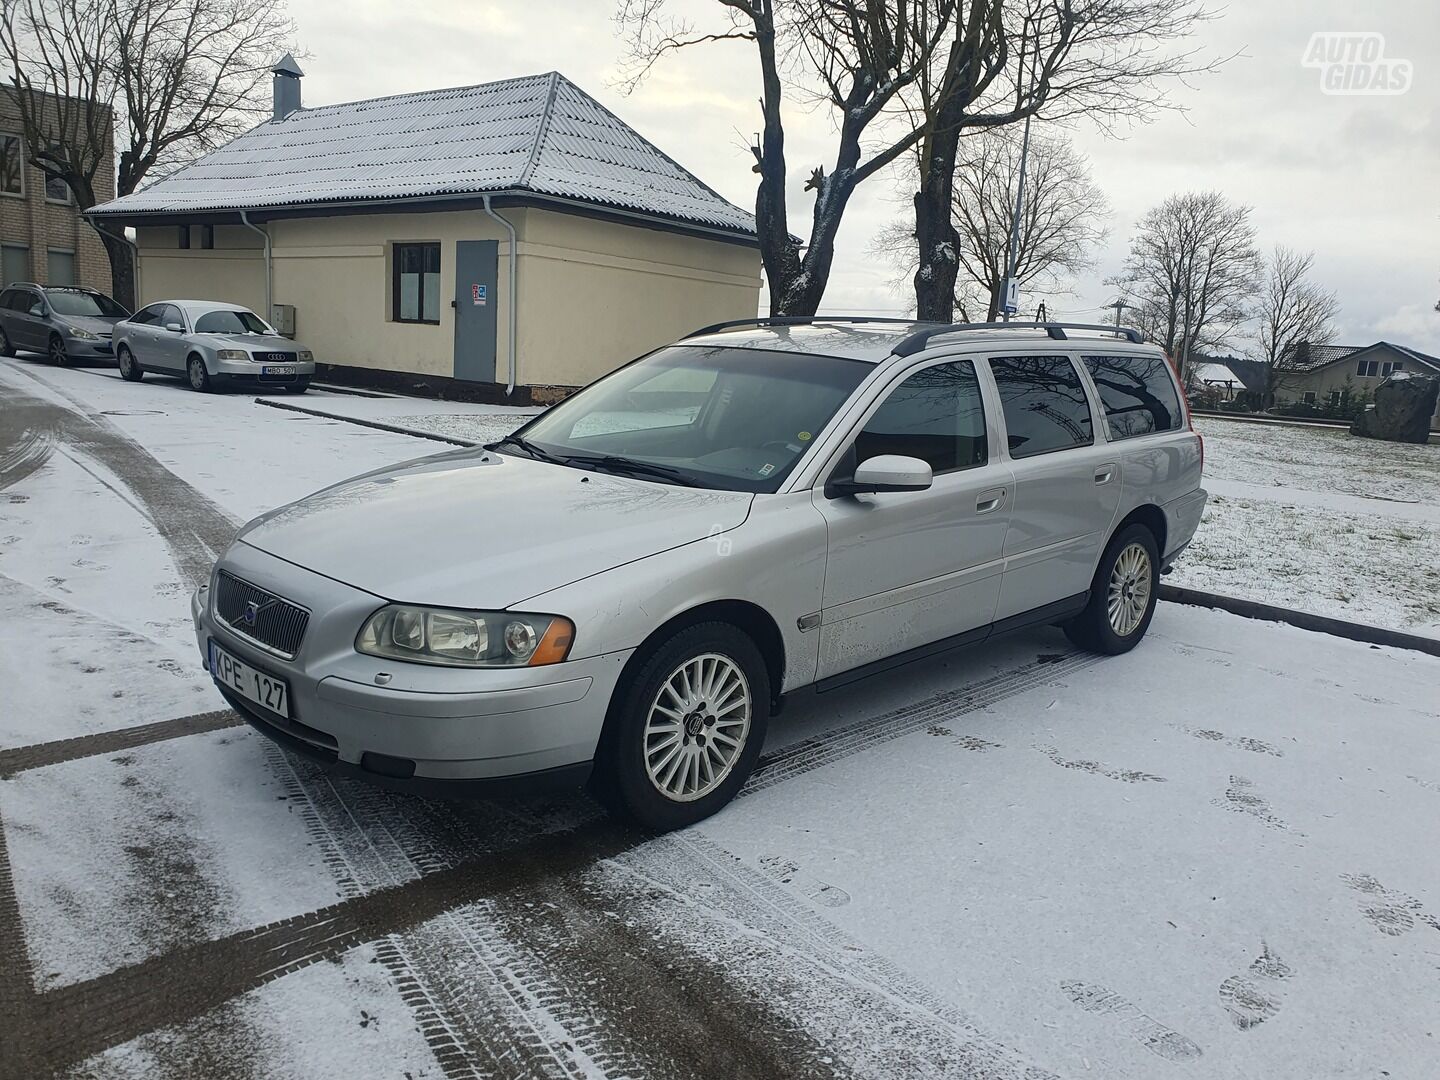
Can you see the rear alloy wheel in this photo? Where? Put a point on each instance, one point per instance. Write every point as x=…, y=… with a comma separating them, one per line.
x=199, y=377
x=6, y=349
x=1122, y=596
x=130, y=369
x=688, y=727
x=56, y=353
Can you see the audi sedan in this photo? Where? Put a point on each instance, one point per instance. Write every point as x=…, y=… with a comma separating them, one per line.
x=624, y=590
x=211, y=345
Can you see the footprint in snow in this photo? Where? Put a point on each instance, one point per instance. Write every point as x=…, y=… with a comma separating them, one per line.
x=789, y=873
x=1254, y=996
x=1148, y=1032
x=1392, y=912
x=1098, y=768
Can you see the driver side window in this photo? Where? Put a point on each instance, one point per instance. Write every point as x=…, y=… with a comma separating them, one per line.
x=935, y=415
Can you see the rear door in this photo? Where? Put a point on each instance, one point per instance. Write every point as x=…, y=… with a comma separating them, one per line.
x=909, y=568
x=1067, y=482
x=139, y=334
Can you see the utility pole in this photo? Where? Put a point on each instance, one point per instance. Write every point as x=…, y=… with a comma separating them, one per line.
x=1119, y=306
x=1010, y=301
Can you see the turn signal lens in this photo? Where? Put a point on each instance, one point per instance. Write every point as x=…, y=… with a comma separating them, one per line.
x=555, y=644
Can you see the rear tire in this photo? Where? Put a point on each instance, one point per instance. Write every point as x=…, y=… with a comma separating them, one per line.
x=197, y=375
x=6, y=349
x=56, y=352
x=685, y=728
x=130, y=369
x=1122, y=596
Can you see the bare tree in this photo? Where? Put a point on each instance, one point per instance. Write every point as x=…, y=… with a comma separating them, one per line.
x=1292, y=309
x=1061, y=219
x=165, y=79
x=1191, y=273
x=853, y=57
x=1042, y=59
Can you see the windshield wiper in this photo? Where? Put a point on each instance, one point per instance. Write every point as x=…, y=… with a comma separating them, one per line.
x=616, y=463
x=522, y=443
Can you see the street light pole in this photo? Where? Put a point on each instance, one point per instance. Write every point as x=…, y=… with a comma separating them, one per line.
x=1012, y=287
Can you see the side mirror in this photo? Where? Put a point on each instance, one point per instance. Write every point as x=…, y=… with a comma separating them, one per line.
x=174, y=328
x=37, y=311
x=887, y=472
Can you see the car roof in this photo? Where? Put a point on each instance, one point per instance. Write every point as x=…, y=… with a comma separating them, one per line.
x=201, y=306
x=854, y=338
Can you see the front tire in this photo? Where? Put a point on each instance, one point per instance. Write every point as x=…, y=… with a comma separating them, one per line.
x=56, y=352
x=198, y=377
x=130, y=369
x=687, y=728
x=1122, y=596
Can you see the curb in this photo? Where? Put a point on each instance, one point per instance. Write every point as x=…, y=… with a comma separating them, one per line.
x=1321, y=624
x=394, y=429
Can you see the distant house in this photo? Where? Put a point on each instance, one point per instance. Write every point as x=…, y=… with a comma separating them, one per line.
x=1217, y=378
x=1332, y=374
x=42, y=236
x=404, y=237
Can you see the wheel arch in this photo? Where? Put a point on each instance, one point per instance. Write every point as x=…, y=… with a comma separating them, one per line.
x=1149, y=515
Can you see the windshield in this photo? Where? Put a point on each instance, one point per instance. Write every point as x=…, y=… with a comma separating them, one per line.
x=230, y=322
x=737, y=419
x=84, y=304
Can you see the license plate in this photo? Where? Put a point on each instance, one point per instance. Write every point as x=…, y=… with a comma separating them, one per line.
x=283, y=369
x=264, y=690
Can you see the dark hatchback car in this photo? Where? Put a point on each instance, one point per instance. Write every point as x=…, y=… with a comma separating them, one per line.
x=68, y=324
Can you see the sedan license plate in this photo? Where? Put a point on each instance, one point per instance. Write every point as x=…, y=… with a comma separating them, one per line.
x=264, y=690
x=282, y=369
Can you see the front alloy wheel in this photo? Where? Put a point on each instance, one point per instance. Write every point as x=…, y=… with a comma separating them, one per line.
x=697, y=727
x=685, y=727
x=199, y=377
x=129, y=367
x=57, y=354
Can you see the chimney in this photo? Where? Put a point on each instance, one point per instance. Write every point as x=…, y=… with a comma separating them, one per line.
x=287, y=87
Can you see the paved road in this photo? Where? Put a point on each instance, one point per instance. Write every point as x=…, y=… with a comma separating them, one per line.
x=180, y=898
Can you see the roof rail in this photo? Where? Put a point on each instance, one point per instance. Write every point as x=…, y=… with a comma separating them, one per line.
x=796, y=320
x=918, y=340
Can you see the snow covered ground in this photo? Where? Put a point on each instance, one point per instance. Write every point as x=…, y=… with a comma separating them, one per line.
x=1210, y=857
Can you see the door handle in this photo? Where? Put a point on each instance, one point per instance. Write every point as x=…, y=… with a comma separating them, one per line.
x=1104, y=474
x=988, y=502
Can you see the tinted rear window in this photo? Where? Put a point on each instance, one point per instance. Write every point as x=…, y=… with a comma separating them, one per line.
x=1044, y=404
x=1138, y=394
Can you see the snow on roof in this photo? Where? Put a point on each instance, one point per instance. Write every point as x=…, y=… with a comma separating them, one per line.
x=539, y=134
x=1215, y=373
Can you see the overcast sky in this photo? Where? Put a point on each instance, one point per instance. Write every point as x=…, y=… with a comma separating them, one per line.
x=1355, y=179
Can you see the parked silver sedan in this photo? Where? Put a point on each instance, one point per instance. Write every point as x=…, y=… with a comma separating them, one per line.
x=625, y=589
x=211, y=345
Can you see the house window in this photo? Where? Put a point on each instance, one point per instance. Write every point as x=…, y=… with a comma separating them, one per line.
x=1334, y=398
x=1392, y=365
x=1309, y=398
x=417, y=283
x=14, y=264
x=12, y=166
x=1367, y=367
x=62, y=267
x=57, y=190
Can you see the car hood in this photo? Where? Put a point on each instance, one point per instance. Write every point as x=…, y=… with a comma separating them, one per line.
x=479, y=529
x=252, y=342
x=96, y=324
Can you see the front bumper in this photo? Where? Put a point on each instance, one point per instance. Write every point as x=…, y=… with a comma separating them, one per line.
x=81, y=349
x=252, y=370
x=427, y=728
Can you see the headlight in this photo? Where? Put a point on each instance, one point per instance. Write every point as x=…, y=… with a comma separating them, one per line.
x=83, y=335
x=231, y=354
x=306, y=356
x=466, y=638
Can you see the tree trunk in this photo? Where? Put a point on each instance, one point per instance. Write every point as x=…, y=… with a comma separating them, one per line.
x=936, y=237
x=122, y=270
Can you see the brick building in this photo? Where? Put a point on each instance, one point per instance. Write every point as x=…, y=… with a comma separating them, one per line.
x=42, y=236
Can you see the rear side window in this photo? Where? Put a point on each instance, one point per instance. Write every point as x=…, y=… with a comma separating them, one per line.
x=1044, y=404
x=1138, y=394
x=935, y=415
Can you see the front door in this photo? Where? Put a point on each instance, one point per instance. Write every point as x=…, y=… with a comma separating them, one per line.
x=909, y=568
x=476, y=263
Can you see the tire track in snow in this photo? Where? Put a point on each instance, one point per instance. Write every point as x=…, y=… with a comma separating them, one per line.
x=38, y=755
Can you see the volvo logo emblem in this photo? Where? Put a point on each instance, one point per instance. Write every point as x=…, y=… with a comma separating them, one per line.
x=250, y=614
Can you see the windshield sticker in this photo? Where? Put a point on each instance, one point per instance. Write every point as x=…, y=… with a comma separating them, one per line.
x=766, y=469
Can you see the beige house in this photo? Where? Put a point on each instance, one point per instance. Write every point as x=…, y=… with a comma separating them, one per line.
x=43, y=238
x=1332, y=374
x=467, y=239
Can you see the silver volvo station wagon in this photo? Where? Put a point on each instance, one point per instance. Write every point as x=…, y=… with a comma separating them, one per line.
x=623, y=591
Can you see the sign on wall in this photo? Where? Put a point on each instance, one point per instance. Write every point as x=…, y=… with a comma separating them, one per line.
x=479, y=294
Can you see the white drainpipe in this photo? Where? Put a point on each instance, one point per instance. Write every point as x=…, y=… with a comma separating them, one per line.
x=269, y=299
x=510, y=342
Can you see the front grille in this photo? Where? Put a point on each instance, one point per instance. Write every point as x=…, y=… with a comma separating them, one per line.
x=260, y=616
x=276, y=357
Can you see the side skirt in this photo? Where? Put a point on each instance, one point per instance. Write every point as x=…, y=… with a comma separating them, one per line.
x=1050, y=613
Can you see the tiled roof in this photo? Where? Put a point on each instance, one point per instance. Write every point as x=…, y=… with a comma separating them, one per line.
x=540, y=134
x=1304, y=357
